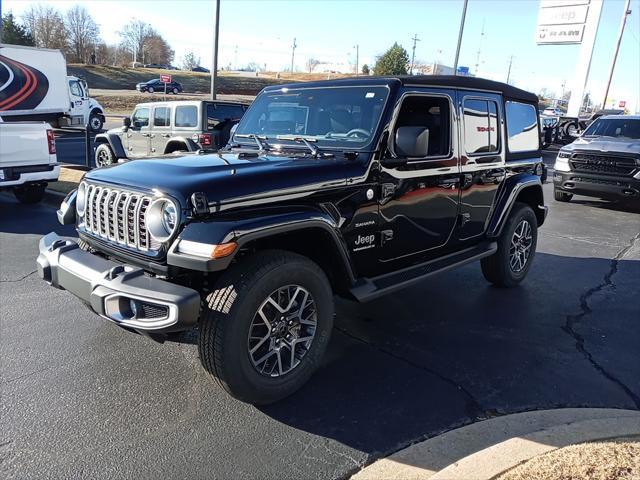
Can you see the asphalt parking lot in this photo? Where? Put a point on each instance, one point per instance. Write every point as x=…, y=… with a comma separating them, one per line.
x=83, y=398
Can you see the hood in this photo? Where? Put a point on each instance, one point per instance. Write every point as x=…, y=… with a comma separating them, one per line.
x=604, y=144
x=227, y=178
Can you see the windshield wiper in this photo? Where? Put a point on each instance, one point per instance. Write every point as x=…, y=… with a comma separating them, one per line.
x=260, y=141
x=307, y=142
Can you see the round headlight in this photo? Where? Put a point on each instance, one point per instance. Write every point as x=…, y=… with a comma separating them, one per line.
x=81, y=199
x=162, y=219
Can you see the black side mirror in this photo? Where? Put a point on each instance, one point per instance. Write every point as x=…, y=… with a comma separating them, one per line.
x=126, y=123
x=137, y=125
x=412, y=142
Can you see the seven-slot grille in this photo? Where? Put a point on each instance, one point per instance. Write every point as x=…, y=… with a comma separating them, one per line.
x=118, y=216
x=607, y=164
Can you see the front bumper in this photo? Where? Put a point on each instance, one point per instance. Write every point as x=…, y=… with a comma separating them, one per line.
x=123, y=294
x=601, y=186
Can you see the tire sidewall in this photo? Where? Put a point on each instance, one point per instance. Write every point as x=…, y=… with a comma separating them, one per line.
x=248, y=381
x=175, y=91
x=92, y=117
x=103, y=147
x=150, y=90
x=521, y=212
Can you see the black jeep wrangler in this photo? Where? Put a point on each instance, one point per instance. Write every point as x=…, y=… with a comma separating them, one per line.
x=158, y=128
x=355, y=187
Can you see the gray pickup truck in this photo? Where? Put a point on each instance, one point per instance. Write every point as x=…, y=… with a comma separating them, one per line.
x=603, y=162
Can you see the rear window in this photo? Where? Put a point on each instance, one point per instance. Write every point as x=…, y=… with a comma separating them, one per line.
x=522, y=127
x=186, y=116
x=219, y=113
x=161, y=116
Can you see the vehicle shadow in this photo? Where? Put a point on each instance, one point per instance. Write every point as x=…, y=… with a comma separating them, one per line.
x=613, y=205
x=453, y=350
x=42, y=219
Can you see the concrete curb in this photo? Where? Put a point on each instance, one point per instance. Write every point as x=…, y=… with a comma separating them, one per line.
x=485, y=449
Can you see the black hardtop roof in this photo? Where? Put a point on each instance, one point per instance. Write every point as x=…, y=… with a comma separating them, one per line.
x=450, y=81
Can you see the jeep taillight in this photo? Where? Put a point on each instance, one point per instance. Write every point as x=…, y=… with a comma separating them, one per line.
x=51, y=141
x=204, y=139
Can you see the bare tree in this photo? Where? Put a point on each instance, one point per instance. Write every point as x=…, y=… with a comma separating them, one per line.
x=83, y=33
x=312, y=63
x=46, y=26
x=133, y=36
x=157, y=50
x=190, y=60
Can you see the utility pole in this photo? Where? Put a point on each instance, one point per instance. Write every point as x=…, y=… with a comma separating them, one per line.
x=464, y=15
x=509, y=71
x=293, y=53
x=413, y=52
x=627, y=12
x=216, y=32
x=357, y=47
x=479, y=48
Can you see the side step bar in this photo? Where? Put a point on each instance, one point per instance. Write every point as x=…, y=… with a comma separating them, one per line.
x=369, y=288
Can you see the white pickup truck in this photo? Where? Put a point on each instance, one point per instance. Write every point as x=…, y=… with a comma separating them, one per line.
x=27, y=159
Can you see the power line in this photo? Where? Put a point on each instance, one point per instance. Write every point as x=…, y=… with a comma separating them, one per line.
x=413, y=52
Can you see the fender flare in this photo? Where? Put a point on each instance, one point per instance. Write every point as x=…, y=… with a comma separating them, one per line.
x=247, y=230
x=512, y=188
x=191, y=145
x=114, y=142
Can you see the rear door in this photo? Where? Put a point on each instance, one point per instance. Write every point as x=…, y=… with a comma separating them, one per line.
x=482, y=159
x=161, y=129
x=139, y=134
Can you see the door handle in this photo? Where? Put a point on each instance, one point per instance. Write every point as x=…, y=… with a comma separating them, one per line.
x=166, y=135
x=153, y=135
x=145, y=134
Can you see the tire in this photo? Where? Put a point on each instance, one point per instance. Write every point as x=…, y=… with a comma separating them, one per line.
x=175, y=91
x=561, y=196
x=104, y=156
x=230, y=314
x=96, y=122
x=150, y=90
x=499, y=268
x=30, y=193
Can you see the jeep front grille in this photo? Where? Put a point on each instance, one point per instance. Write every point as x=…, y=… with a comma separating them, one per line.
x=603, y=164
x=119, y=217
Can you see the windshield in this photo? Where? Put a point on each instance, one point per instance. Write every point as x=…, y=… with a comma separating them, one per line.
x=339, y=117
x=615, y=127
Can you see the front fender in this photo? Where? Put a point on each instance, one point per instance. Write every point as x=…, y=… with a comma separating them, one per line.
x=243, y=231
x=114, y=141
x=515, y=187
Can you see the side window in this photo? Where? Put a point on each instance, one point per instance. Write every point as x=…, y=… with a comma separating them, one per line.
x=522, y=127
x=141, y=115
x=75, y=89
x=434, y=114
x=161, y=116
x=481, y=126
x=186, y=116
x=219, y=113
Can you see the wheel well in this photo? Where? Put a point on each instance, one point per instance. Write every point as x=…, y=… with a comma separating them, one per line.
x=175, y=146
x=98, y=111
x=314, y=243
x=532, y=196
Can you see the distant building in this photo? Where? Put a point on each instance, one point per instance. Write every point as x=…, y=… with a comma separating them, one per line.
x=432, y=69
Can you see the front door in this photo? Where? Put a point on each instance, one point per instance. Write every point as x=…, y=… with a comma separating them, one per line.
x=79, y=103
x=481, y=159
x=139, y=135
x=419, y=198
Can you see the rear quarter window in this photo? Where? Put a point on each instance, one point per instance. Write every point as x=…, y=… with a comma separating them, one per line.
x=522, y=127
x=186, y=116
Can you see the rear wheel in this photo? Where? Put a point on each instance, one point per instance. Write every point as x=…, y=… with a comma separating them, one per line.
x=265, y=328
x=516, y=249
x=175, y=91
x=104, y=156
x=96, y=121
x=561, y=196
x=30, y=193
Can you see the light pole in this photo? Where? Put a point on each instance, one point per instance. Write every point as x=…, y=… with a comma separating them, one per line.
x=464, y=14
x=214, y=66
x=293, y=53
x=509, y=71
x=413, y=52
x=623, y=22
x=357, y=47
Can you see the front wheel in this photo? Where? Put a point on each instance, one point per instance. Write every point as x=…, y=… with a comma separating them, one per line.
x=104, y=156
x=30, y=193
x=266, y=326
x=150, y=90
x=516, y=249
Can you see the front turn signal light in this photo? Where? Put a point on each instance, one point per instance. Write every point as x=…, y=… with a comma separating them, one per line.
x=224, y=250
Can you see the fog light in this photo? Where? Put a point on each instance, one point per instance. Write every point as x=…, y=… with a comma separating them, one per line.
x=133, y=308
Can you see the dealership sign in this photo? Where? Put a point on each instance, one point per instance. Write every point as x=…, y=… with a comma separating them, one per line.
x=561, y=21
x=165, y=78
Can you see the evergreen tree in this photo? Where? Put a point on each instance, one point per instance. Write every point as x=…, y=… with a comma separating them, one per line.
x=13, y=33
x=393, y=62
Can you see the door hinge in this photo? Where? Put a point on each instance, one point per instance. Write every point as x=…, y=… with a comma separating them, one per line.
x=387, y=190
x=464, y=218
x=386, y=236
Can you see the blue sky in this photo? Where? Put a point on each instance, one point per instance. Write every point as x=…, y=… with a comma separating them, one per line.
x=327, y=30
